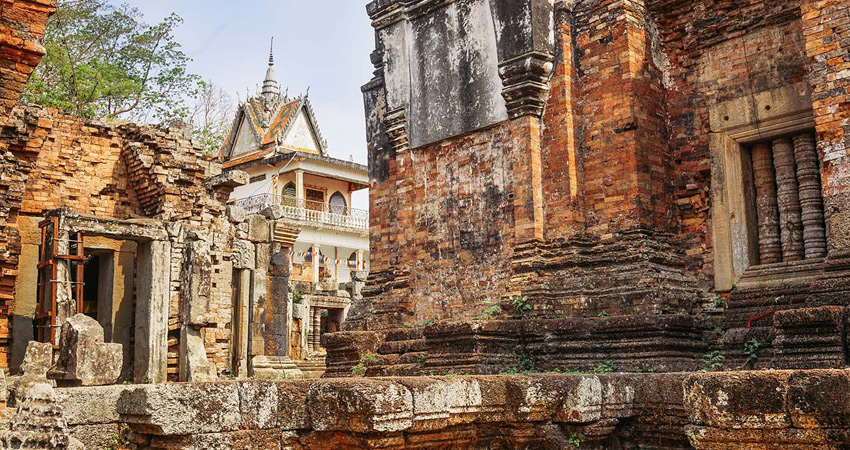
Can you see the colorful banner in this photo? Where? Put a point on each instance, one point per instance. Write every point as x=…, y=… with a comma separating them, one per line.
x=325, y=259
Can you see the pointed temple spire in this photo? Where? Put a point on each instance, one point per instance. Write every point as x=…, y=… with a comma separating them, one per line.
x=271, y=88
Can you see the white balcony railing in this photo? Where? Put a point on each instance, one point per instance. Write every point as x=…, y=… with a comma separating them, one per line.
x=308, y=211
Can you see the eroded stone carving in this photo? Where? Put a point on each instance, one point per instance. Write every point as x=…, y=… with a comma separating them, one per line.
x=38, y=423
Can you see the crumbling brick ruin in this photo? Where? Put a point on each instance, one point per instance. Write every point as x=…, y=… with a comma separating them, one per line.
x=660, y=179
x=645, y=200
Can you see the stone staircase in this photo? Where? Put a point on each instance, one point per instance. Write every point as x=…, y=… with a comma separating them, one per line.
x=313, y=367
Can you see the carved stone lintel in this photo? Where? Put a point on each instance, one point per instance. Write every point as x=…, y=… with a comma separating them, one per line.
x=788, y=197
x=526, y=83
x=396, y=122
x=770, y=250
x=811, y=198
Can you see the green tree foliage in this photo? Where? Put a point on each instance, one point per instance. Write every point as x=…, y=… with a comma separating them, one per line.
x=103, y=60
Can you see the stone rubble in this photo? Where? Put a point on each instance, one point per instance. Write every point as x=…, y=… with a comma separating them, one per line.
x=84, y=359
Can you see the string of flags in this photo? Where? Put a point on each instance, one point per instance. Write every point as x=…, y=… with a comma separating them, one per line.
x=324, y=258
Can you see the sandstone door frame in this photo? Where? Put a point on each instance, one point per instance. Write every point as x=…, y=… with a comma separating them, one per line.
x=735, y=124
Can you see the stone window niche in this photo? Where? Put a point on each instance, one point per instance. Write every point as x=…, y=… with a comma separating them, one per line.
x=767, y=207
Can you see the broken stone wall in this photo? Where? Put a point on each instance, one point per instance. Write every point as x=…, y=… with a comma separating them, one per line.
x=124, y=171
x=550, y=411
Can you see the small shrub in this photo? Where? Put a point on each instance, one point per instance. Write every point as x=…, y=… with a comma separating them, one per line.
x=359, y=370
x=369, y=358
x=297, y=297
x=119, y=441
x=607, y=366
x=718, y=301
x=520, y=304
x=712, y=362
x=526, y=364
x=575, y=439
x=751, y=349
x=429, y=322
x=568, y=371
x=603, y=314
x=493, y=310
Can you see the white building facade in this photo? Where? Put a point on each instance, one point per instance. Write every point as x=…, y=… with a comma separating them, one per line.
x=276, y=140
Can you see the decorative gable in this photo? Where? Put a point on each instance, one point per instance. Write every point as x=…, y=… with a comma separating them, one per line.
x=245, y=141
x=302, y=136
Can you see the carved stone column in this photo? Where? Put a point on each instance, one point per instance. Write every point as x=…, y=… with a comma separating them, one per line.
x=315, y=329
x=811, y=199
x=788, y=197
x=770, y=250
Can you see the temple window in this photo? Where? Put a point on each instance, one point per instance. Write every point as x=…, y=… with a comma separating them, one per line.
x=767, y=213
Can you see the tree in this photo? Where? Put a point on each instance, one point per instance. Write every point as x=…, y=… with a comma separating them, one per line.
x=103, y=60
x=212, y=113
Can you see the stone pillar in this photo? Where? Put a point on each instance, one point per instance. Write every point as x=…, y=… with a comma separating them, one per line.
x=317, y=262
x=151, y=348
x=788, y=198
x=360, y=260
x=811, y=200
x=241, y=323
x=315, y=328
x=770, y=250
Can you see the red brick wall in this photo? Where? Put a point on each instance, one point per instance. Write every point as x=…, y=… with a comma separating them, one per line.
x=22, y=24
x=623, y=149
x=826, y=27
x=79, y=166
x=624, y=145
x=442, y=226
x=562, y=178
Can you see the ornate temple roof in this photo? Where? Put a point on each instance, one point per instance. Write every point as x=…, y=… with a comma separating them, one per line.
x=272, y=123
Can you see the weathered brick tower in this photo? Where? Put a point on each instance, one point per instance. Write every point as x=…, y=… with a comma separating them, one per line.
x=659, y=178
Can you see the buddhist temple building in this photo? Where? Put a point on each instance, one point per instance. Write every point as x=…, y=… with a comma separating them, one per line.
x=277, y=141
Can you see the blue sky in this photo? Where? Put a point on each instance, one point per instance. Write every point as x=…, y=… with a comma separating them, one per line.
x=320, y=44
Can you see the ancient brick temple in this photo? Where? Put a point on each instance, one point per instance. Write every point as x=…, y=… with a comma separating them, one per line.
x=662, y=176
x=590, y=222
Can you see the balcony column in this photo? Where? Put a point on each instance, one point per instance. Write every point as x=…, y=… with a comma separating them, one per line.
x=811, y=200
x=316, y=262
x=299, y=187
x=300, y=194
x=770, y=249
